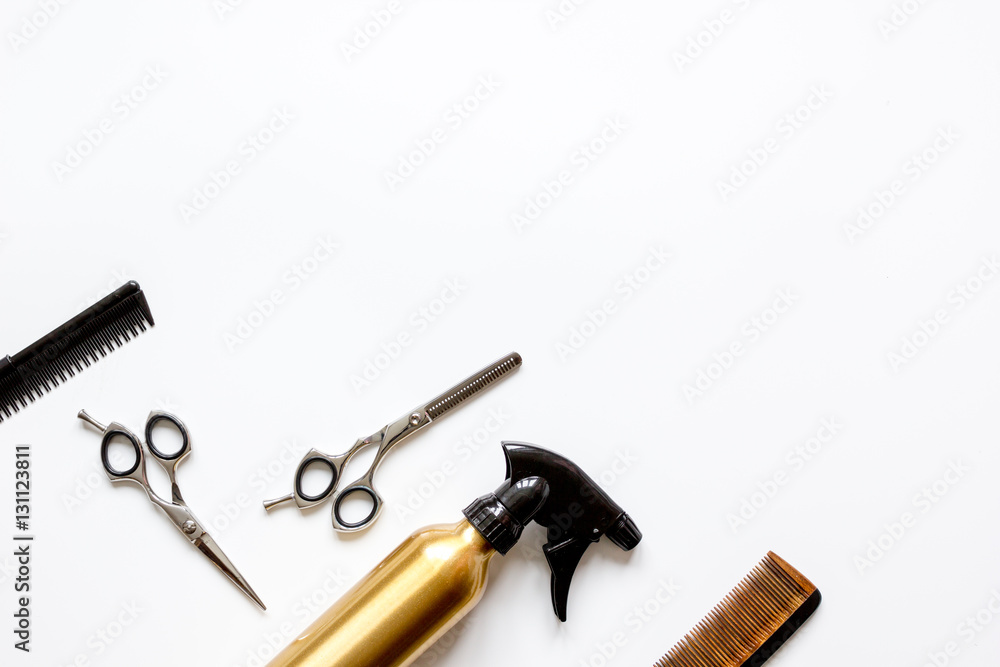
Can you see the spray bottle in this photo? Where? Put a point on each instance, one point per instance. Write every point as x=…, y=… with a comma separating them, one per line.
x=439, y=573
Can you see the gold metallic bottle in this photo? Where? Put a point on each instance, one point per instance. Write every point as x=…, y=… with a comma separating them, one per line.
x=396, y=612
x=438, y=574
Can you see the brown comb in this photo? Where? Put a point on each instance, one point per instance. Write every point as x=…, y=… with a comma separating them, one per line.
x=754, y=620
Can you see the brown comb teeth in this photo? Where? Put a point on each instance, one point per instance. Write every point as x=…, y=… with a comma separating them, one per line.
x=752, y=622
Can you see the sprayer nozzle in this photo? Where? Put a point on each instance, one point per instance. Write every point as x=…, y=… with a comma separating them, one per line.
x=625, y=534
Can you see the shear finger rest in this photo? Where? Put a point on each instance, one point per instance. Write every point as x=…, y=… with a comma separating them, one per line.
x=107, y=440
x=340, y=523
x=153, y=421
x=313, y=462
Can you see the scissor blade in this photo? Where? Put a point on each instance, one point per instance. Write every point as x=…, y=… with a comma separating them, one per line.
x=210, y=548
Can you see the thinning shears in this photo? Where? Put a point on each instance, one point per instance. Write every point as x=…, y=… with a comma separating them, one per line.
x=176, y=509
x=385, y=439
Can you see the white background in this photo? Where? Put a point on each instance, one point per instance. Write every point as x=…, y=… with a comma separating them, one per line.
x=69, y=237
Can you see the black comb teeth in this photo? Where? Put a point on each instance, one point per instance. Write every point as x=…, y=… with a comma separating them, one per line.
x=91, y=335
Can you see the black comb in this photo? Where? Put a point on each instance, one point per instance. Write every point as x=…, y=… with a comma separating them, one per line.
x=102, y=328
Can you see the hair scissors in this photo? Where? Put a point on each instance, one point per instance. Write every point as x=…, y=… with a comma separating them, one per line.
x=385, y=439
x=175, y=508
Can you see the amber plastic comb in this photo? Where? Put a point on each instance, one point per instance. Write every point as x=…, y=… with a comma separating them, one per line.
x=754, y=620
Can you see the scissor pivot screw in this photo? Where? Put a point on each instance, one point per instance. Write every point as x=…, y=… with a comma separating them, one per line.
x=415, y=418
x=189, y=527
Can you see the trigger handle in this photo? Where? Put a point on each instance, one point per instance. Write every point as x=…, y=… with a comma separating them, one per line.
x=563, y=559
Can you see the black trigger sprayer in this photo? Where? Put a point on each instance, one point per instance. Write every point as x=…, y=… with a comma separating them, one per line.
x=554, y=492
x=438, y=574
